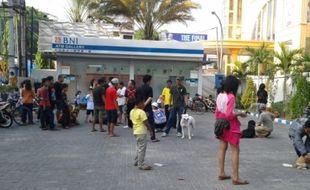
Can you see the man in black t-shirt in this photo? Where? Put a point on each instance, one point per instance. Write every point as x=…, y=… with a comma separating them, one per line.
x=145, y=92
x=177, y=92
x=58, y=94
x=99, y=102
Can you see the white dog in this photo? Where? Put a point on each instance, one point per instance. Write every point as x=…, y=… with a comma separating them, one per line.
x=188, y=122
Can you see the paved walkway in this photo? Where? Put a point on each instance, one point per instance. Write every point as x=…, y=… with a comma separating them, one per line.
x=76, y=159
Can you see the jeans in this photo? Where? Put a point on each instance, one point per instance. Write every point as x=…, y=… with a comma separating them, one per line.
x=167, y=111
x=47, y=117
x=27, y=112
x=141, y=149
x=175, y=111
x=150, y=119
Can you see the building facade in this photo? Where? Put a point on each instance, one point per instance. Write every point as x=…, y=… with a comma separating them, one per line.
x=84, y=58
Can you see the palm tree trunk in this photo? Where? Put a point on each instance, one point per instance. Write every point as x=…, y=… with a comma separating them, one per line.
x=284, y=93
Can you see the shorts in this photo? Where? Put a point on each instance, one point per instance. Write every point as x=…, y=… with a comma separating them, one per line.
x=99, y=112
x=88, y=112
x=112, y=116
x=122, y=109
x=58, y=105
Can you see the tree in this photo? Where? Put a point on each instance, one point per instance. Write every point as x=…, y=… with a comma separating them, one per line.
x=139, y=35
x=287, y=62
x=149, y=16
x=301, y=97
x=5, y=52
x=263, y=57
x=41, y=62
x=37, y=17
x=78, y=10
x=249, y=96
x=241, y=71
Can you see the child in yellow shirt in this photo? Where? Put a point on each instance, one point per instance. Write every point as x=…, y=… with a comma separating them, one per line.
x=140, y=127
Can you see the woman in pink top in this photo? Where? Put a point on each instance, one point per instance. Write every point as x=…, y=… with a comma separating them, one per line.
x=225, y=104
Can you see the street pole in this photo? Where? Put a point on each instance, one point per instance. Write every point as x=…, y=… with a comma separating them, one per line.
x=217, y=48
x=19, y=44
x=11, y=56
x=222, y=39
x=31, y=40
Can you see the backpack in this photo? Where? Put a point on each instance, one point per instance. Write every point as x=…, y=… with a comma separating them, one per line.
x=159, y=117
x=250, y=131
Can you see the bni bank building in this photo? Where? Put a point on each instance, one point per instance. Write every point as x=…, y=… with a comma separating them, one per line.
x=83, y=57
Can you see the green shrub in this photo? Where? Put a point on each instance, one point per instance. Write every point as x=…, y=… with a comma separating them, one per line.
x=249, y=96
x=238, y=102
x=301, y=98
x=6, y=88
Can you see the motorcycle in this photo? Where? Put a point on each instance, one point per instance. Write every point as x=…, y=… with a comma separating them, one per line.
x=6, y=119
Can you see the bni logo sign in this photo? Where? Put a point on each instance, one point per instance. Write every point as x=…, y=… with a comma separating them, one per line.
x=66, y=40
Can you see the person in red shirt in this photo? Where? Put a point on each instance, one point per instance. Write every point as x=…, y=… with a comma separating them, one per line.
x=46, y=115
x=111, y=106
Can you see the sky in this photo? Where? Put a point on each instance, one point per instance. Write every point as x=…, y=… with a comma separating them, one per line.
x=203, y=18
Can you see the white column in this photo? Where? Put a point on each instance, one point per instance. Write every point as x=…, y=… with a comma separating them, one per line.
x=131, y=71
x=200, y=79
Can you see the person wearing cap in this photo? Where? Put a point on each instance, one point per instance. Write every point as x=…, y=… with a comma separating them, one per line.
x=111, y=106
x=265, y=122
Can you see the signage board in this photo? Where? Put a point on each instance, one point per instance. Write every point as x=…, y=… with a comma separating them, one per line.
x=186, y=37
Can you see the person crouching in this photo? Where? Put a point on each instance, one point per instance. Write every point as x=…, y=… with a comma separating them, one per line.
x=299, y=129
x=140, y=127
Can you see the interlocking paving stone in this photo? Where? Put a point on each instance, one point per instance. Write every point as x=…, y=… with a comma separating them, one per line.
x=77, y=159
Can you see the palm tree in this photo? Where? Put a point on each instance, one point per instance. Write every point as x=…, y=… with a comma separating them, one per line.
x=288, y=61
x=260, y=56
x=241, y=71
x=148, y=15
x=78, y=10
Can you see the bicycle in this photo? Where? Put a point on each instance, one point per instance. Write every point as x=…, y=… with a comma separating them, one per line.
x=17, y=110
x=196, y=105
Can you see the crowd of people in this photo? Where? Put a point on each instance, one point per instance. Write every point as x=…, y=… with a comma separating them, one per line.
x=112, y=103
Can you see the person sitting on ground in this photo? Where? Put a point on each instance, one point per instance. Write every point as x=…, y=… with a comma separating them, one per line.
x=265, y=122
x=160, y=119
x=299, y=129
x=140, y=127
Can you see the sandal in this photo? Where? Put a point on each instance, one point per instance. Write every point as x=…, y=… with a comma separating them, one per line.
x=145, y=168
x=94, y=130
x=225, y=177
x=238, y=182
x=114, y=135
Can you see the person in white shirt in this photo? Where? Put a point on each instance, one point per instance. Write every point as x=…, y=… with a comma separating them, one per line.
x=121, y=100
x=89, y=106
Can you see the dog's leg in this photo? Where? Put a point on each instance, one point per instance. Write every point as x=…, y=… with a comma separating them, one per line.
x=183, y=134
x=193, y=126
x=189, y=132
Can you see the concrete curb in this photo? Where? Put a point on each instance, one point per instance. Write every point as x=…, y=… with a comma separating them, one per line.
x=277, y=120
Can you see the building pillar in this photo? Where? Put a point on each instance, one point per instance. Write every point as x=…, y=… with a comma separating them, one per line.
x=233, y=58
x=131, y=71
x=200, y=79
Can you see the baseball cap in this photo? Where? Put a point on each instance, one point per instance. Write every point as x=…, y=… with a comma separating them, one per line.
x=155, y=104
